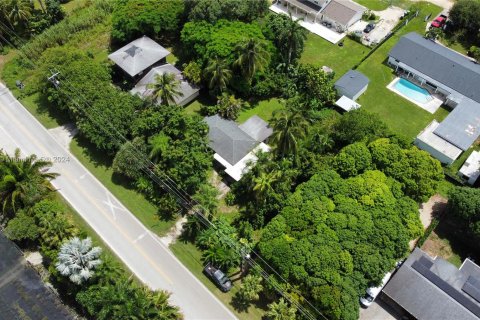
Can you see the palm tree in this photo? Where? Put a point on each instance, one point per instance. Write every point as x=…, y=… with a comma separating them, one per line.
x=163, y=309
x=165, y=88
x=250, y=289
x=77, y=259
x=263, y=183
x=221, y=256
x=289, y=128
x=23, y=180
x=280, y=311
x=17, y=12
x=54, y=227
x=219, y=73
x=158, y=144
x=253, y=56
x=293, y=36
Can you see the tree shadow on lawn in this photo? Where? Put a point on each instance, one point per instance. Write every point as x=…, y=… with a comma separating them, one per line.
x=45, y=107
x=459, y=240
x=242, y=306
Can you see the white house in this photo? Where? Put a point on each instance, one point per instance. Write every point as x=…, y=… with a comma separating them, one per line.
x=451, y=76
x=471, y=168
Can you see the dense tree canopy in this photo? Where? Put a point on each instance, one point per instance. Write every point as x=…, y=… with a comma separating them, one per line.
x=214, y=10
x=134, y=18
x=464, y=204
x=205, y=41
x=337, y=236
x=465, y=17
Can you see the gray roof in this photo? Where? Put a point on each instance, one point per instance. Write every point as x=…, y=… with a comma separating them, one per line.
x=141, y=88
x=462, y=126
x=138, y=55
x=432, y=288
x=256, y=128
x=440, y=63
x=342, y=11
x=23, y=295
x=228, y=140
x=352, y=82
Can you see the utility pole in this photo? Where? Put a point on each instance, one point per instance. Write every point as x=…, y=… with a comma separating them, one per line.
x=53, y=79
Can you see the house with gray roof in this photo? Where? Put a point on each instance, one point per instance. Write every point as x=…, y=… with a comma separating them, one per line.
x=352, y=84
x=189, y=92
x=433, y=288
x=235, y=146
x=138, y=56
x=446, y=74
x=342, y=13
x=23, y=295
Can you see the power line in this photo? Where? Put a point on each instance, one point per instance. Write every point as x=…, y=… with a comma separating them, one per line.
x=167, y=183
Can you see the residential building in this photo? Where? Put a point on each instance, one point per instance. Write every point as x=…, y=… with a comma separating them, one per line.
x=235, y=146
x=470, y=170
x=139, y=56
x=23, y=295
x=342, y=13
x=189, y=92
x=349, y=87
x=448, y=75
x=433, y=288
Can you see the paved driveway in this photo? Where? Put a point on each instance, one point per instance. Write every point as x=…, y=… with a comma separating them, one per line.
x=146, y=256
x=378, y=310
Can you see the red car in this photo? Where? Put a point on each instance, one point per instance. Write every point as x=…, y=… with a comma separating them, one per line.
x=439, y=21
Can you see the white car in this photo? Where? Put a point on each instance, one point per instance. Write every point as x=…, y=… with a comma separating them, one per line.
x=373, y=292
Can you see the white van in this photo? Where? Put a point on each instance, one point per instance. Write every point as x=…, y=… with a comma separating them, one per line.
x=373, y=292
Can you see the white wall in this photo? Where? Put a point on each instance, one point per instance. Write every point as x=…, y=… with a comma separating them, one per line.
x=360, y=92
x=434, y=152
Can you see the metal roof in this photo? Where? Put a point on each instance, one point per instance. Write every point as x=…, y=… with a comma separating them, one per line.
x=141, y=88
x=352, y=82
x=462, y=126
x=138, y=55
x=228, y=140
x=431, y=289
x=342, y=11
x=23, y=295
x=256, y=128
x=440, y=63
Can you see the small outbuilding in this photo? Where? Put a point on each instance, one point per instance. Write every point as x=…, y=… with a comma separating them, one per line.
x=346, y=104
x=471, y=168
x=139, y=55
x=235, y=146
x=352, y=84
x=189, y=92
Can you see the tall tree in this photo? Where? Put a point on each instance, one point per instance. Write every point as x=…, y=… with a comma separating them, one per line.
x=23, y=181
x=219, y=73
x=253, y=56
x=250, y=289
x=263, y=183
x=165, y=89
x=289, y=127
x=77, y=259
x=17, y=12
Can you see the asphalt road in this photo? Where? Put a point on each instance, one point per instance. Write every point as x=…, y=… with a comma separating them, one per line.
x=149, y=259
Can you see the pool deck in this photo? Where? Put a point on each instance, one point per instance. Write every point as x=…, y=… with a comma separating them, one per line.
x=431, y=106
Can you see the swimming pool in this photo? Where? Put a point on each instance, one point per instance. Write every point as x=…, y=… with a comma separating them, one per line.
x=413, y=91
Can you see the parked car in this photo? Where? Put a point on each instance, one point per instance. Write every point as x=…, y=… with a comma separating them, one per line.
x=369, y=27
x=439, y=21
x=218, y=277
x=373, y=292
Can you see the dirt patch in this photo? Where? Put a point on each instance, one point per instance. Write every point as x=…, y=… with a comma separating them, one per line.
x=435, y=246
x=434, y=207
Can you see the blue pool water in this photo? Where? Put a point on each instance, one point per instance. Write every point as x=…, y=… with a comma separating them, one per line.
x=413, y=91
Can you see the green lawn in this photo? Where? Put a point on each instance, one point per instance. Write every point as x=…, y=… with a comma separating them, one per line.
x=264, y=109
x=378, y=5
x=320, y=52
x=48, y=117
x=100, y=166
x=191, y=258
x=399, y=114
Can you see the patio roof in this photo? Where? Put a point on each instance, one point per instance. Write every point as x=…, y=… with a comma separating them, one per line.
x=141, y=88
x=304, y=6
x=347, y=104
